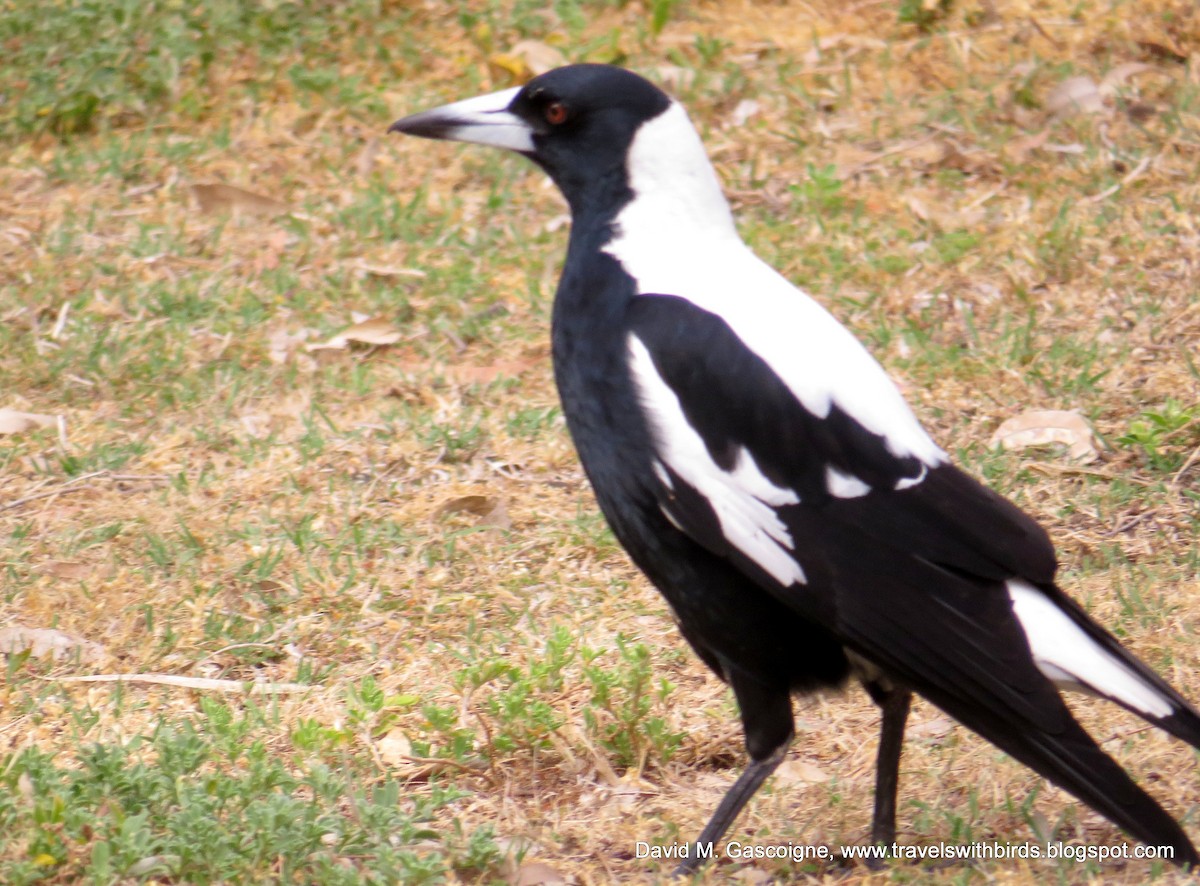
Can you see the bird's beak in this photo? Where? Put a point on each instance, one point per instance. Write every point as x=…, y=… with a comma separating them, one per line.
x=484, y=120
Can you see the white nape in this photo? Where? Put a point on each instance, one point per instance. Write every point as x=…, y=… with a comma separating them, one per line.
x=677, y=237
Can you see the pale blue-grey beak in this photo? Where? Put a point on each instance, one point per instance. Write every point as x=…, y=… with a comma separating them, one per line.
x=484, y=120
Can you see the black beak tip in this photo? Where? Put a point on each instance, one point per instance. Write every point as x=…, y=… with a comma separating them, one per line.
x=426, y=124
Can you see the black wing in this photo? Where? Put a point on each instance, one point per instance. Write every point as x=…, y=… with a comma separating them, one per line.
x=909, y=562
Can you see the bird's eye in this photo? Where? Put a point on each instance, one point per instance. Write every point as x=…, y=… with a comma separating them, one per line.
x=555, y=113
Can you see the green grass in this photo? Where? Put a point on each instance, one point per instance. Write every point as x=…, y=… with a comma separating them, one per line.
x=212, y=798
x=221, y=505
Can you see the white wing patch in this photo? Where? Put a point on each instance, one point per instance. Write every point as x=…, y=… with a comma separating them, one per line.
x=909, y=482
x=677, y=237
x=842, y=485
x=742, y=499
x=1067, y=655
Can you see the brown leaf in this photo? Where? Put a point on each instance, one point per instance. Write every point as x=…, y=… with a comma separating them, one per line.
x=68, y=570
x=490, y=510
x=538, y=57
x=1075, y=95
x=800, y=772
x=281, y=343
x=505, y=63
x=14, y=422
x=1019, y=148
x=743, y=111
x=1114, y=79
x=1042, y=427
x=525, y=60
x=46, y=641
x=1162, y=51
x=268, y=256
x=467, y=374
x=385, y=271
x=218, y=197
x=937, y=727
x=394, y=748
x=673, y=78
x=374, y=331
x=536, y=873
x=365, y=161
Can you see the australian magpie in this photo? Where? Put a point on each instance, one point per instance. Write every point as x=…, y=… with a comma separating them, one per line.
x=764, y=472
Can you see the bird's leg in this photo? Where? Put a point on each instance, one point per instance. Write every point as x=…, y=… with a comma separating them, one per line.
x=894, y=702
x=767, y=722
x=731, y=804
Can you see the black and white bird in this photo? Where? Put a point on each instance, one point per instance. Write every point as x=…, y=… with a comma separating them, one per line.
x=767, y=476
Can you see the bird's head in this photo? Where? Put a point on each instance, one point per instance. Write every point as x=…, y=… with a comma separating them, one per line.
x=579, y=123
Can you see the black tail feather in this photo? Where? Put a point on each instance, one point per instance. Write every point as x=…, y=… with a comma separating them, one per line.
x=1184, y=724
x=1072, y=760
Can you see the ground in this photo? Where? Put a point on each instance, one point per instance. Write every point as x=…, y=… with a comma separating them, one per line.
x=373, y=627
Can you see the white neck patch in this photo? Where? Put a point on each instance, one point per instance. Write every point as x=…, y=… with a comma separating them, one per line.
x=677, y=195
x=677, y=237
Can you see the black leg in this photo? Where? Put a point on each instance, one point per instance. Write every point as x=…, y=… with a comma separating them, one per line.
x=731, y=805
x=767, y=722
x=895, y=704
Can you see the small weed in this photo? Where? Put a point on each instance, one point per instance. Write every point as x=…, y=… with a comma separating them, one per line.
x=456, y=441
x=623, y=698
x=1160, y=437
x=925, y=15
x=660, y=14
x=207, y=801
x=821, y=193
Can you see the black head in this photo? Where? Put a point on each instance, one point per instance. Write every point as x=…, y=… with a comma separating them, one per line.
x=576, y=122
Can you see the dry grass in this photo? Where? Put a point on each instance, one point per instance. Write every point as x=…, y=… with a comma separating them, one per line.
x=221, y=502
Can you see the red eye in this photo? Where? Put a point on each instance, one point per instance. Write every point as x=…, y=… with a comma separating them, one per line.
x=555, y=113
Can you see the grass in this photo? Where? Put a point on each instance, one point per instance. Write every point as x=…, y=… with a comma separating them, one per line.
x=404, y=529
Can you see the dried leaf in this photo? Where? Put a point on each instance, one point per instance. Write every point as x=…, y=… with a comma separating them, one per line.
x=68, y=570
x=930, y=153
x=394, y=748
x=466, y=374
x=1020, y=148
x=536, y=873
x=749, y=876
x=506, y=63
x=1072, y=148
x=744, y=110
x=14, y=422
x=268, y=256
x=365, y=162
x=490, y=510
x=1075, y=95
x=218, y=197
x=1043, y=427
x=281, y=343
x=46, y=641
x=385, y=271
x=673, y=78
x=373, y=331
x=800, y=772
x=1162, y=51
x=937, y=727
x=200, y=683
x=538, y=57
x=1115, y=78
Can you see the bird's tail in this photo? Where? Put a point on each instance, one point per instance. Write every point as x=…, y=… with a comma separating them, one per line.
x=1071, y=759
x=1131, y=684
